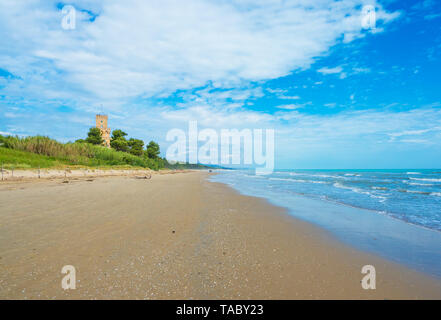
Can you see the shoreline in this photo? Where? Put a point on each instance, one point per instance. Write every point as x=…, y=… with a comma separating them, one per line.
x=327, y=236
x=363, y=229
x=178, y=237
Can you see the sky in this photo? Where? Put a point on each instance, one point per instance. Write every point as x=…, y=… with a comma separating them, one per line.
x=338, y=93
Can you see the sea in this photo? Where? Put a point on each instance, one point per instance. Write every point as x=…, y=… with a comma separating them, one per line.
x=392, y=213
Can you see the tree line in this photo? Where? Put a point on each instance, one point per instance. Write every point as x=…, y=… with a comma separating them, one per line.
x=119, y=142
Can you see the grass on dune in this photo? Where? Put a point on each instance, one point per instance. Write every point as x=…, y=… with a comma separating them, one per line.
x=32, y=152
x=16, y=159
x=25, y=160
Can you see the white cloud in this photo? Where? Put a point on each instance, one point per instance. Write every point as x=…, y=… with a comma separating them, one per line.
x=283, y=97
x=407, y=134
x=343, y=139
x=418, y=141
x=296, y=130
x=410, y=132
x=214, y=118
x=145, y=48
x=11, y=115
x=340, y=71
x=334, y=70
x=290, y=106
x=154, y=48
x=360, y=70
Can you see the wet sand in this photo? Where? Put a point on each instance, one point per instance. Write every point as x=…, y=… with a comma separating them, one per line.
x=176, y=237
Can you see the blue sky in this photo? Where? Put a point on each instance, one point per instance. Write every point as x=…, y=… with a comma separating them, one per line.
x=337, y=95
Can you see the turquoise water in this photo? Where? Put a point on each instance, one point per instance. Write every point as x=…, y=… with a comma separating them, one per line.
x=393, y=213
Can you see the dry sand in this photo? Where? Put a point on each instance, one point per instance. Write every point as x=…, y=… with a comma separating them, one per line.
x=176, y=237
x=33, y=174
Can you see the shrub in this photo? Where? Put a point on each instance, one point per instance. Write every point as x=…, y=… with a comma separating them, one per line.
x=77, y=153
x=94, y=136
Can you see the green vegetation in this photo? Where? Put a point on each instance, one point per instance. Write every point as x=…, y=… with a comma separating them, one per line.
x=118, y=141
x=23, y=160
x=153, y=150
x=44, y=152
x=94, y=136
x=31, y=152
x=135, y=147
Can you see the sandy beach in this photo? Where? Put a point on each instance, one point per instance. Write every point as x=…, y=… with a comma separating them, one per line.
x=36, y=174
x=176, y=236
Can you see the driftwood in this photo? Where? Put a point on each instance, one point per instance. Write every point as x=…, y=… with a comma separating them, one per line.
x=148, y=176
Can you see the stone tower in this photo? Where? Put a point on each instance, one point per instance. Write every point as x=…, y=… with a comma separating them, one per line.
x=101, y=123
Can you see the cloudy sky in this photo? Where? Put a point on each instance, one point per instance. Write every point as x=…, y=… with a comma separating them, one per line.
x=338, y=95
